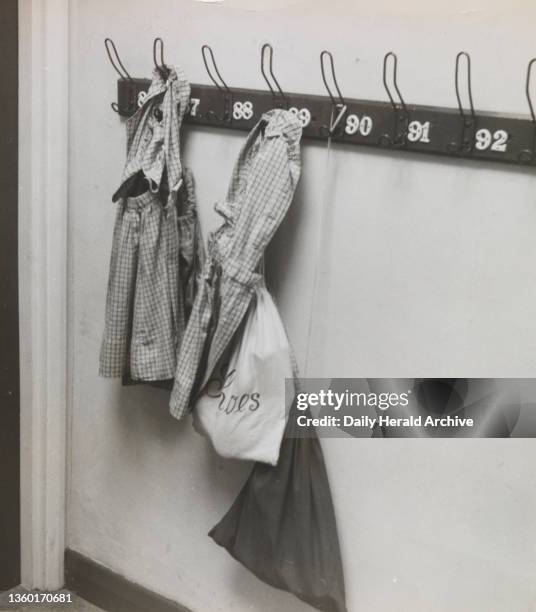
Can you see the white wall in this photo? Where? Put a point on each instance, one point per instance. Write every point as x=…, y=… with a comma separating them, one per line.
x=427, y=270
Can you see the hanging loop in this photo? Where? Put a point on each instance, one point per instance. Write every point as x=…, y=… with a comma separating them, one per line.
x=222, y=87
x=267, y=50
x=468, y=122
x=339, y=106
x=527, y=155
x=398, y=135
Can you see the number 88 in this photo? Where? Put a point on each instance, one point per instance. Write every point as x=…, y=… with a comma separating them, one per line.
x=242, y=110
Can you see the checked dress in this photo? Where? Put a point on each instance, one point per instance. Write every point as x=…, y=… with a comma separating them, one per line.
x=261, y=190
x=145, y=305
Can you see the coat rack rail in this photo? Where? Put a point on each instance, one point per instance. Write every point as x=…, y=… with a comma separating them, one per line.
x=406, y=127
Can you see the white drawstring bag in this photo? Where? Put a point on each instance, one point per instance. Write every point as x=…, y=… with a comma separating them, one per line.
x=242, y=407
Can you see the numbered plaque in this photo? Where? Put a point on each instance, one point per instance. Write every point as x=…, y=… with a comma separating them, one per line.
x=423, y=129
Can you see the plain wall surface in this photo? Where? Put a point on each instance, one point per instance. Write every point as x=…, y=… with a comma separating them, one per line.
x=426, y=269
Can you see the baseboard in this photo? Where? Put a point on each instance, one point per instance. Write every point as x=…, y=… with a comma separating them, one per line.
x=111, y=591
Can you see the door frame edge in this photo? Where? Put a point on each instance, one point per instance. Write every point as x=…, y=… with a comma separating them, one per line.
x=43, y=215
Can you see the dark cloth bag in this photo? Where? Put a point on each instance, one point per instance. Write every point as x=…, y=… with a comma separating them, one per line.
x=282, y=525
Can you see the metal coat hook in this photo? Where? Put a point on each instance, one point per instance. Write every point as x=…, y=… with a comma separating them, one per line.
x=161, y=67
x=267, y=47
x=222, y=87
x=465, y=144
x=118, y=66
x=396, y=138
x=338, y=105
x=527, y=155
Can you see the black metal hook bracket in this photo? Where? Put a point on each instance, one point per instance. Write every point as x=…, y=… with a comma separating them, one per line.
x=268, y=49
x=393, y=123
x=468, y=123
x=339, y=105
x=222, y=87
x=399, y=132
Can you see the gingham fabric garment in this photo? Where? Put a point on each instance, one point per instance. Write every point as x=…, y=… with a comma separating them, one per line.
x=191, y=248
x=261, y=190
x=191, y=256
x=145, y=318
